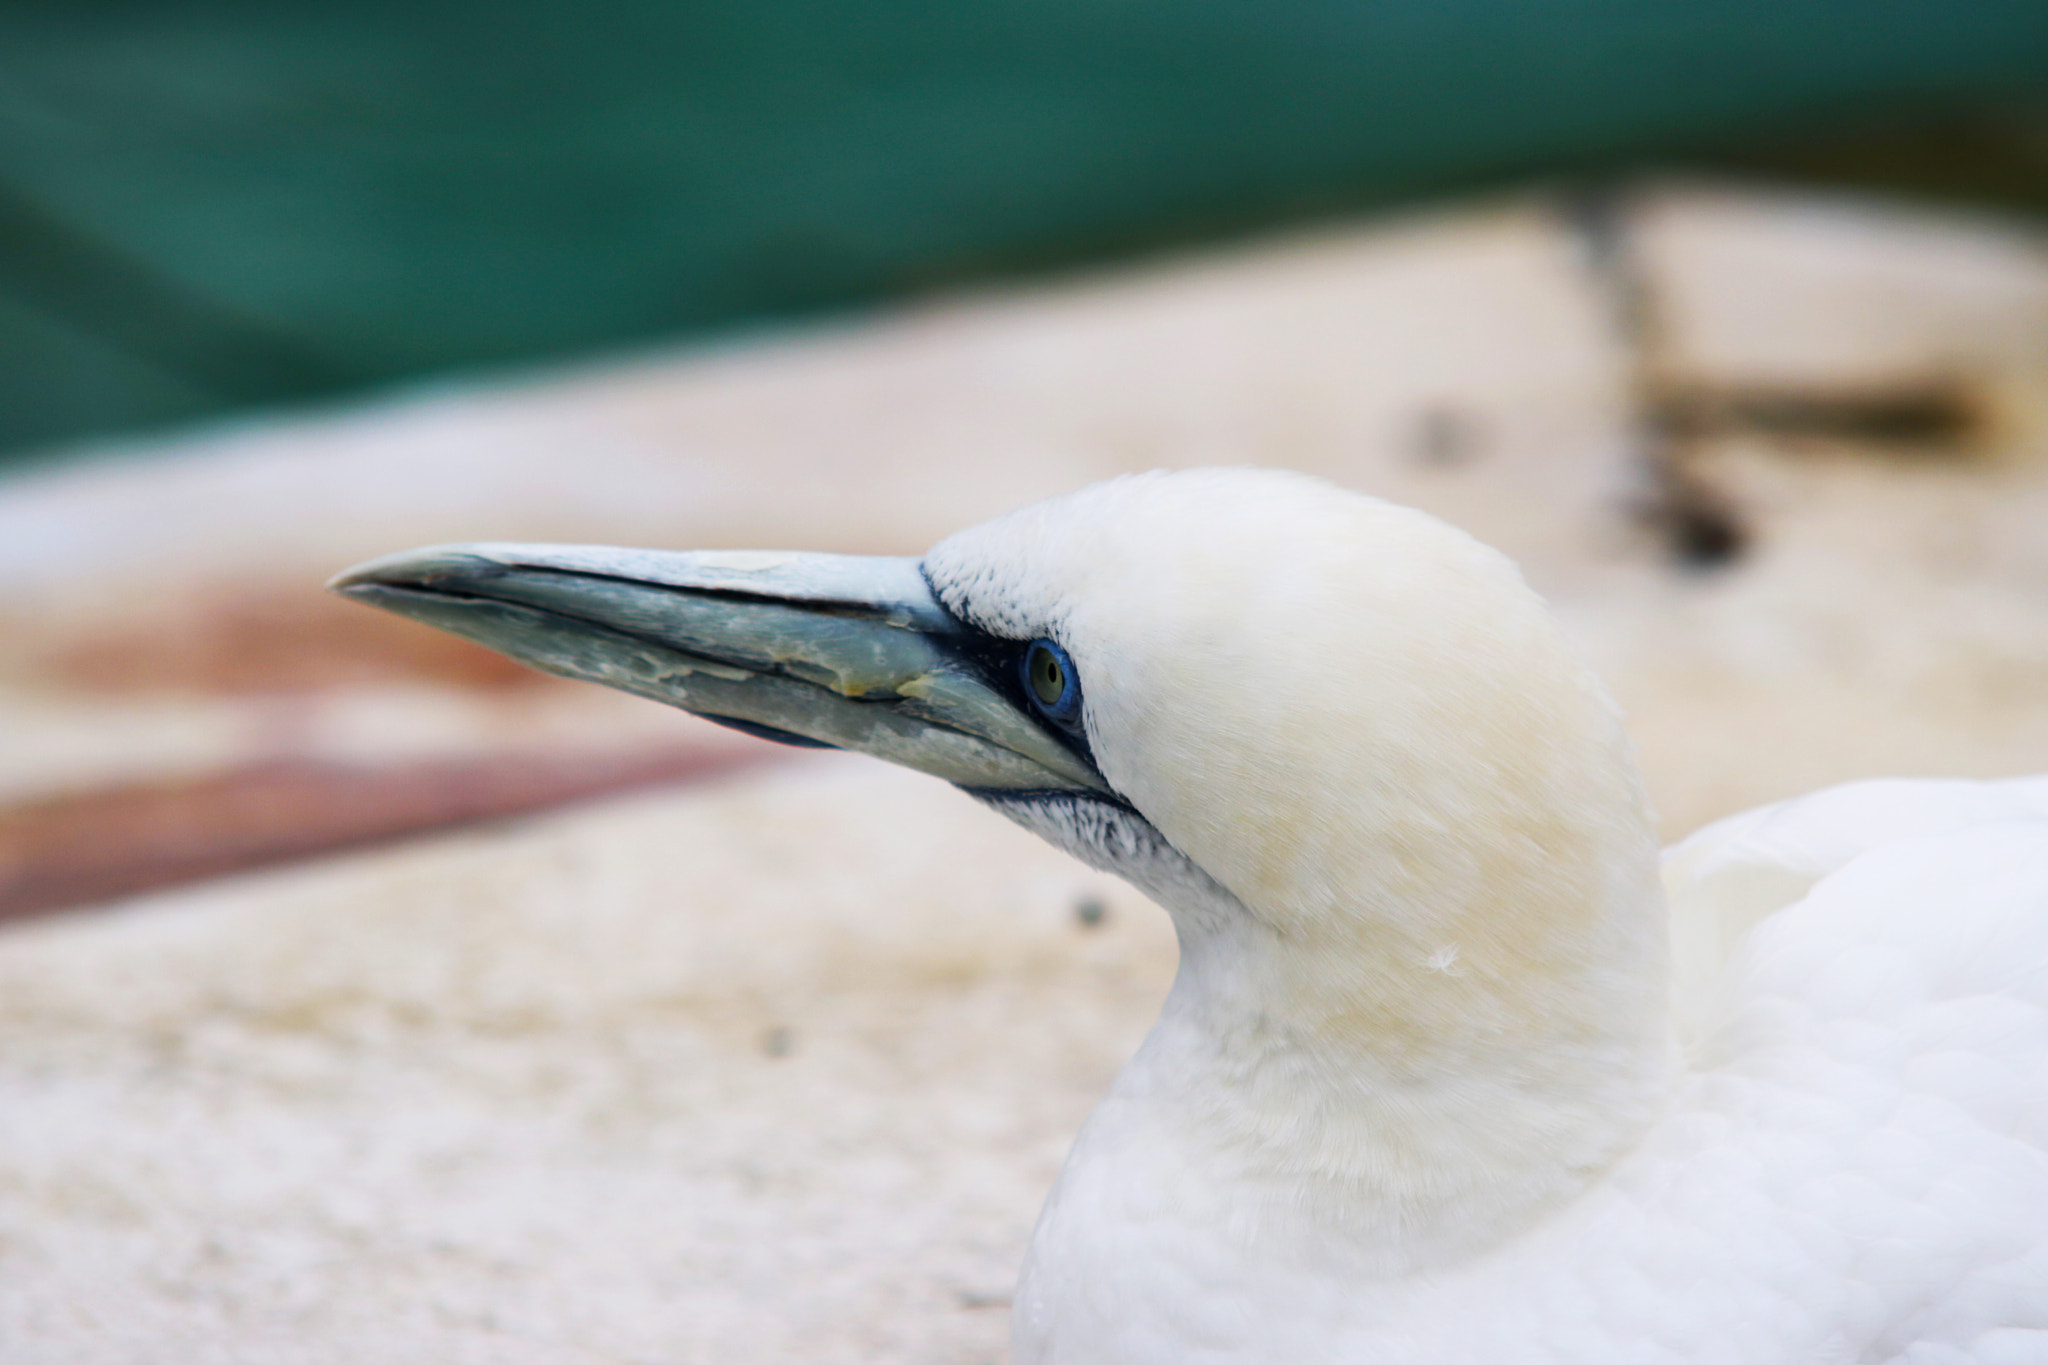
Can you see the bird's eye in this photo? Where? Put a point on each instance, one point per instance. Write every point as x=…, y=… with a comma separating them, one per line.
x=1049, y=678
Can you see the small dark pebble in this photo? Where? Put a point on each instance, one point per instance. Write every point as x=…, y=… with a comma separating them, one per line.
x=778, y=1042
x=1090, y=912
x=1445, y=437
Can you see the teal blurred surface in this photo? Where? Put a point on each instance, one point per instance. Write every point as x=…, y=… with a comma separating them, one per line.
x=206, y=206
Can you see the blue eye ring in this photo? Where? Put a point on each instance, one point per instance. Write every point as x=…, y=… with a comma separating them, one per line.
x=1051, y=682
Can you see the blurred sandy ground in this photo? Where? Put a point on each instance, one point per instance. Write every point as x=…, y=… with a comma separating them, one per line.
x=774, y=1059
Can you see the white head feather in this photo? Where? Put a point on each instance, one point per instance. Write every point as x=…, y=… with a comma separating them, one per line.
x=1426, y=963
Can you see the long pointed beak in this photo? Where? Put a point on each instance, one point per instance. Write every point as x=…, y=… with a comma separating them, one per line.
x=845, y=651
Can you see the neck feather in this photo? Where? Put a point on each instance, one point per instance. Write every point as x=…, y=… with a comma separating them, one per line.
x=1464, y=1034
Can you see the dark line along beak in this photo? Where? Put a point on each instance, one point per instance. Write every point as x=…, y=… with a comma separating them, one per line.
x=841, y=650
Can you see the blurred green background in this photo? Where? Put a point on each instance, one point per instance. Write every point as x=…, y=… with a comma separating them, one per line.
x=208, y=206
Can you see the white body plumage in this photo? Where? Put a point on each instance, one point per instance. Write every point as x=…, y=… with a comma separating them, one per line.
x=1420, y=1093
x=1853, y=1166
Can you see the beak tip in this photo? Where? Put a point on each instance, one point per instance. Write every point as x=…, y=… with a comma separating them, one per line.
x=346, y=582
x=412, y=569
x=354, y=590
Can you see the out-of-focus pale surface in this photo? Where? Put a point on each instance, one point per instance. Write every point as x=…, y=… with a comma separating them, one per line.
x=1892, y=615
x=511, y=1096
x=772, y=1071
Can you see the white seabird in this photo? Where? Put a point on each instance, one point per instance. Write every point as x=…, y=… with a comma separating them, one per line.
x=1436, y=1082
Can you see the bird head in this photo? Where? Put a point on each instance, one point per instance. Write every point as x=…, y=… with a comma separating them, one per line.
x=1334, y=732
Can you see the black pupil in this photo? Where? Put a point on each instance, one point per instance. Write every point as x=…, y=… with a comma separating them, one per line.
x=1047, y=678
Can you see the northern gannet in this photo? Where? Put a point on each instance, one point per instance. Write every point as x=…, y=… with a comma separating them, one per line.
x=1431, y=1084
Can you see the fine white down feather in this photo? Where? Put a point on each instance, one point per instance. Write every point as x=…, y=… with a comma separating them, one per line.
x=1725, y=879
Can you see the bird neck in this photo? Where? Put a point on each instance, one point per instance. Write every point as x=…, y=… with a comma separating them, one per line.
x=1470, y=1044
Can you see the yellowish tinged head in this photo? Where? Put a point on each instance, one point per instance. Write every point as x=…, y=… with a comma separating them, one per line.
x=1359, y=721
